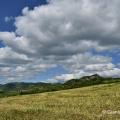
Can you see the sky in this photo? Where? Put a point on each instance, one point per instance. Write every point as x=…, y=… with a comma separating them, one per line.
x=10, y=10
x=57, y=40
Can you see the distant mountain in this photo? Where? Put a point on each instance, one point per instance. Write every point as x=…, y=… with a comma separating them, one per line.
x=88, y=80
x=32, y=88
x=22, y=86
x=92, y=77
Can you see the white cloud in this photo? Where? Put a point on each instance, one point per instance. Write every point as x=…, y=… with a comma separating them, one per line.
x=115, y=72
x=60, y=33
x=61, y=78
x=99, y=67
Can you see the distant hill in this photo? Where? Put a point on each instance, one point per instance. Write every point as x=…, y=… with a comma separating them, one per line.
x=32, y=88
x=90, y=80
x=22, y=86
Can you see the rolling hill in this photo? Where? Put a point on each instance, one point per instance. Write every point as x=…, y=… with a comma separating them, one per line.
x=99, y=102
x=12, y=89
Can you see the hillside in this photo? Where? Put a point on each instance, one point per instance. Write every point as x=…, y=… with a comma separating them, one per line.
x=12, y=89
x=99, y=102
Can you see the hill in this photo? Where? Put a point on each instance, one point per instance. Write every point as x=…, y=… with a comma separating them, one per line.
x=12, y=89
x=99, y=102
x=90, y=80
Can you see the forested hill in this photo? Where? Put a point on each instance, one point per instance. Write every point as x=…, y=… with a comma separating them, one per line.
x=32, y=88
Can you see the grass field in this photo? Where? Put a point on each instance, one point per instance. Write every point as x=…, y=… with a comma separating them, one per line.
x=100, y=102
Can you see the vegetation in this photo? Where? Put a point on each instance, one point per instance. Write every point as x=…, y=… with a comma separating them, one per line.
x=13, y=89
x=87, y=103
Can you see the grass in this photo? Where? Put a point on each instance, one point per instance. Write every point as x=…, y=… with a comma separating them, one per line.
x=87, y=103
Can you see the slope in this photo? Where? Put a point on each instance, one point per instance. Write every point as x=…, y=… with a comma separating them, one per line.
x=99, y=102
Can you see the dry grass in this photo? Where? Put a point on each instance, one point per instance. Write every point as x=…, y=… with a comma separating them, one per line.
x=76, y=104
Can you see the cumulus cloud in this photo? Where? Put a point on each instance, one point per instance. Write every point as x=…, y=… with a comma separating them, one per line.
x=62, y=34
x=114, y=72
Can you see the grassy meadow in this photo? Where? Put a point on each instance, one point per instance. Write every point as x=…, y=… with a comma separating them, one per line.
x=87, y=103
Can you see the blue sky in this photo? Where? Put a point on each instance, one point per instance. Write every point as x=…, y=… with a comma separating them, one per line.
x=54, y=41
x=13, y=8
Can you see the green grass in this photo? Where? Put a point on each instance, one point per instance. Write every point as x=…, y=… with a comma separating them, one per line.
x=87, y=103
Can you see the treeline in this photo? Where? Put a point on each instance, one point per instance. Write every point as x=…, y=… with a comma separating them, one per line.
x=13, y=89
